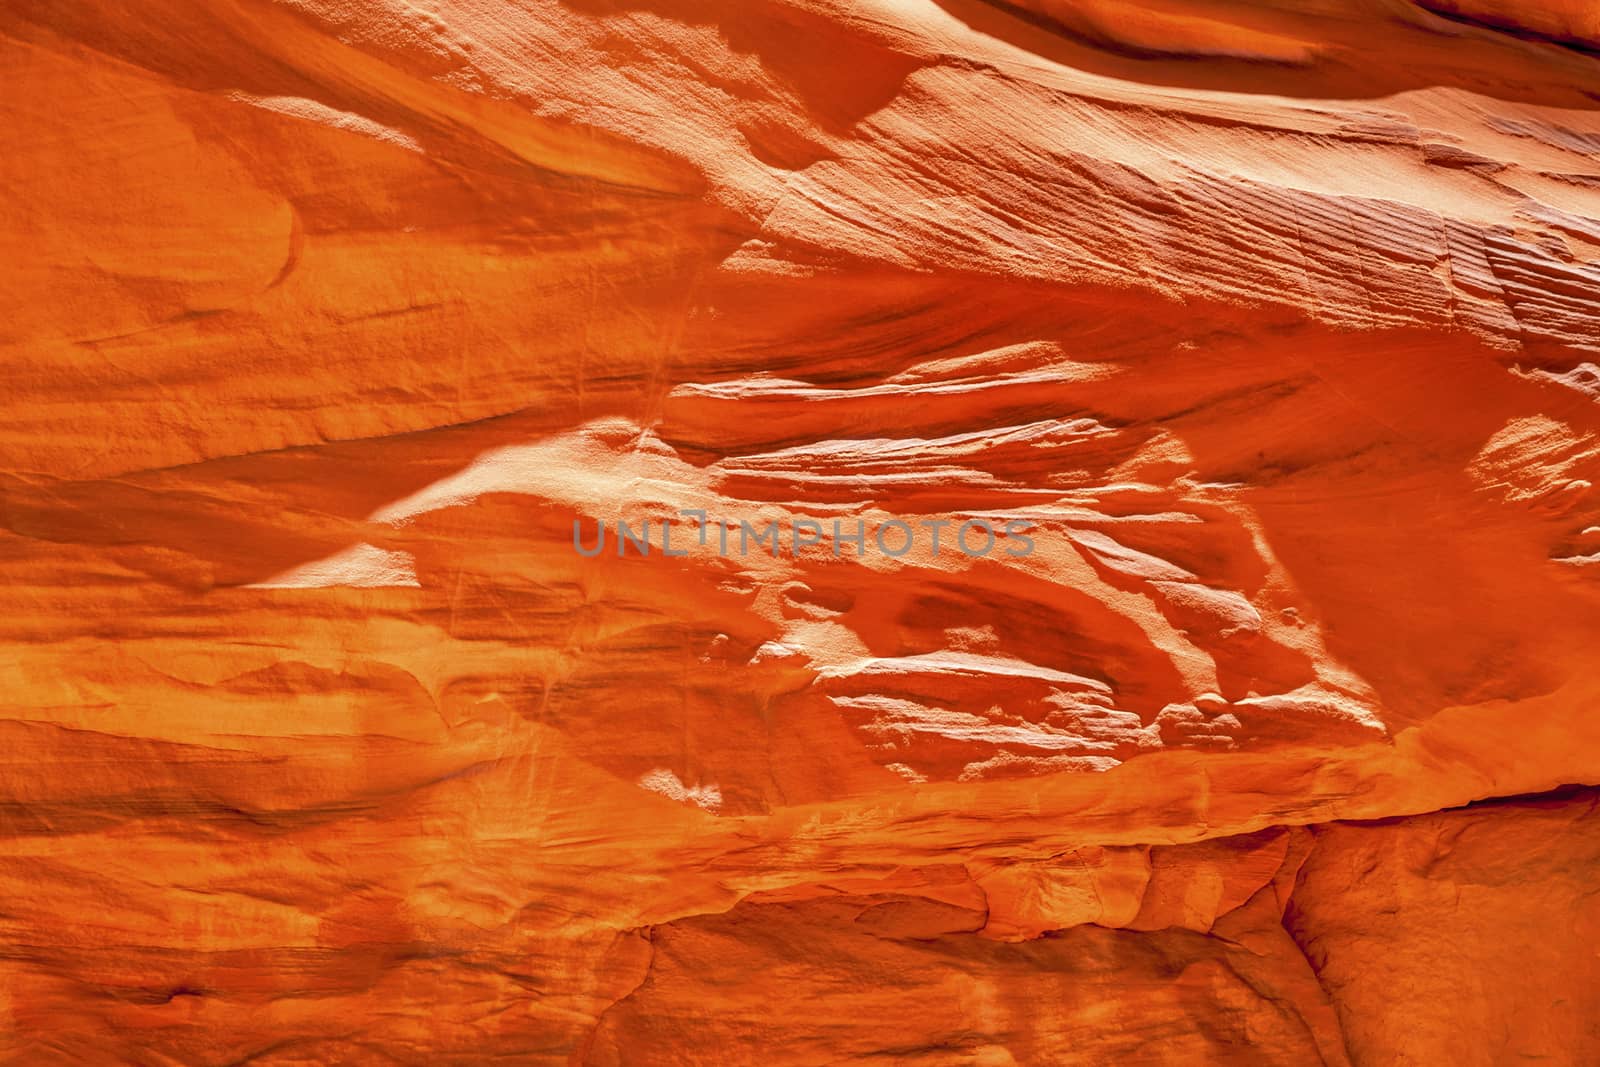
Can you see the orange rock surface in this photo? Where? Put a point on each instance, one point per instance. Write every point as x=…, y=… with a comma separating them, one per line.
x=325, y=321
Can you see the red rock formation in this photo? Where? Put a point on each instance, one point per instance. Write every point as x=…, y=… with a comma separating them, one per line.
x=326, y=322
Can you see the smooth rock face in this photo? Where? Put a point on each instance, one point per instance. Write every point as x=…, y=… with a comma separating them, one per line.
x=334, y=329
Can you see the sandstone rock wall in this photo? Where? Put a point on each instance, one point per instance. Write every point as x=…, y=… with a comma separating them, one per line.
x=325, y=320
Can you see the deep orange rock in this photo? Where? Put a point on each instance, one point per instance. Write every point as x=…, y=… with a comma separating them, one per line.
x=327, y=321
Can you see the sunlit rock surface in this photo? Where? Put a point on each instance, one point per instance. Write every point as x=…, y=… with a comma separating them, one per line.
x=326, y=322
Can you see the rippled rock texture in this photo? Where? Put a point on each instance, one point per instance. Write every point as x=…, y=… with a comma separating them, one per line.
x=325, y=322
